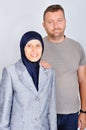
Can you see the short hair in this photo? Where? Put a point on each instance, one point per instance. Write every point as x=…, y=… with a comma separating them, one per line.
x=53, y=8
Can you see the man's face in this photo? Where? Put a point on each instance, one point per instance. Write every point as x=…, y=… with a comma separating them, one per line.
x=54, y=24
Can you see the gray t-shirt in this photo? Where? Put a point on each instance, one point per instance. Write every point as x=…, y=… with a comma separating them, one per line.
x=65, y=57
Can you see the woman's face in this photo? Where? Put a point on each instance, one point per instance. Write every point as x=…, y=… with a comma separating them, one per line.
x=33, y=50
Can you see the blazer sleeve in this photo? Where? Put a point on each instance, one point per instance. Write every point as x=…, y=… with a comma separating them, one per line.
x=5, y=100
x=52, y=108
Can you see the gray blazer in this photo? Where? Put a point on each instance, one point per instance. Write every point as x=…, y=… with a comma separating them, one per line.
x=22, y=107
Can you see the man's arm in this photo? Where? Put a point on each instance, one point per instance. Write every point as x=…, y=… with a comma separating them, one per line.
x=82, y=89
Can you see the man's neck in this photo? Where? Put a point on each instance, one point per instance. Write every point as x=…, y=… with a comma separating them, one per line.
x=56, y=40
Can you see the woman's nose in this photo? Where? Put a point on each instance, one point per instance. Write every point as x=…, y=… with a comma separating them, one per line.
x=34, y=49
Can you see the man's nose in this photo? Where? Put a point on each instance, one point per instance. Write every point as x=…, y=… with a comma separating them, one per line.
x=56, y=24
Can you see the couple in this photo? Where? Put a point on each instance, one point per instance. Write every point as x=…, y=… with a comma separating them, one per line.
x=27, y=90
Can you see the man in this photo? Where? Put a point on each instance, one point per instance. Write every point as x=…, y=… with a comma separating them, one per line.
x=68, y=58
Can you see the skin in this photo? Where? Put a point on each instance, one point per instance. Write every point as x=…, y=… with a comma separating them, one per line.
x=33, y=50
x=54, y=24
x=82, y=88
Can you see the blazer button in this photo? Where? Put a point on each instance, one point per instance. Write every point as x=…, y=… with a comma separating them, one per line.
x=36, y=119
x=37, y=99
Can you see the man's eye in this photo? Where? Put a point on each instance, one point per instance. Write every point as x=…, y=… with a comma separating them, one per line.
x=50, y=22
x=60, y=20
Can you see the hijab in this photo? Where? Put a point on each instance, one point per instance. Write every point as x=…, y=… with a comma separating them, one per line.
x=32, y=67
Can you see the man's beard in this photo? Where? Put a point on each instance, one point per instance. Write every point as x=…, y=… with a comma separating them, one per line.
x=56, y=35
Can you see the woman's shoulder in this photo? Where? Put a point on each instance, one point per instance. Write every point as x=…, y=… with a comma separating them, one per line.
x=10, y=68
x=48, y=70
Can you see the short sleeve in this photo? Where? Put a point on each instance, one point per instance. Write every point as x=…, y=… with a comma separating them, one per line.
x=82, y=56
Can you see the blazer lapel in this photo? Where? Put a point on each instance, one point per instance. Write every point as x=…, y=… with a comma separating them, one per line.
x=25, y=78
x=43, y=78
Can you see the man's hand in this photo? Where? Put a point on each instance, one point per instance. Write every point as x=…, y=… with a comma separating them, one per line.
x=45, y=64
x=82, y=121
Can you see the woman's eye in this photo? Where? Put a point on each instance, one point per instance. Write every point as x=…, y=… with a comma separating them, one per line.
x=28, y=45
x=38, y=45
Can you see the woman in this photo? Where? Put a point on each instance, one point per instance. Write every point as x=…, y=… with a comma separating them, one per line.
x=27, y=91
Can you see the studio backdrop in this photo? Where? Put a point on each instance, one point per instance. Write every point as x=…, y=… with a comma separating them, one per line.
x=19, y=16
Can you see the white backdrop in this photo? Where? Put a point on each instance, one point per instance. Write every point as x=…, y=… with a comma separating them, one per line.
x=19, y=16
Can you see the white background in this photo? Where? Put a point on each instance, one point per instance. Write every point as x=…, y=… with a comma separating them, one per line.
x=19, y=16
